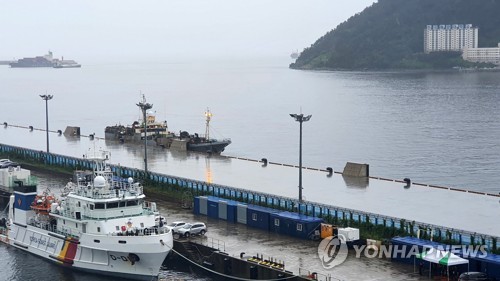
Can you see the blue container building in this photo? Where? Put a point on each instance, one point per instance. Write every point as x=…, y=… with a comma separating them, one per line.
x=196, y=205
x=213, y=207
x=296, y=225
x=218, y=208
x=260, y=217
x=269, y=219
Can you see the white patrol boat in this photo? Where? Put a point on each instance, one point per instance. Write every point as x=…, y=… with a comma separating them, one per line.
x=102, y=225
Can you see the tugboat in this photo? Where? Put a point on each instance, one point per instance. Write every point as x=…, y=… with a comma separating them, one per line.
x=102, y=225
x=185, y=141
x=157, y=132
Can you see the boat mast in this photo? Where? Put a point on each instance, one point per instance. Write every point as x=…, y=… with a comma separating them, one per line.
x=144, y=106
x=208, y=115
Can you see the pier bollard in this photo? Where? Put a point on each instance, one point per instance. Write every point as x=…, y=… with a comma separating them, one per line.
x=59, y=132
x=408, y=182
x=330, y=171
x=91, y=136
x=5, y=124
x=264, y=162
x=31, y=128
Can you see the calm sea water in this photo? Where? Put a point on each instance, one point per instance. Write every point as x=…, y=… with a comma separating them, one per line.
x=437, y=128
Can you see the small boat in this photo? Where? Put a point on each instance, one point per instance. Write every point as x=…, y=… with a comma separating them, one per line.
x=42, y=203
x=11, y=174
x=185, y=141
x=295, y=54
x=66, y=64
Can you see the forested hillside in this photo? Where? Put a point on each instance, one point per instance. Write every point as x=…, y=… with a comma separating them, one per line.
x=389, y=34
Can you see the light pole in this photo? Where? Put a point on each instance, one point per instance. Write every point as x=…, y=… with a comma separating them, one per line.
x=144, y=107
x=300, y=118
x=46, y=98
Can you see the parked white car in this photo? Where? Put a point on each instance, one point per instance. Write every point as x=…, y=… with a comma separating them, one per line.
x=192, y=229
x=176, y=225
x=5, y=163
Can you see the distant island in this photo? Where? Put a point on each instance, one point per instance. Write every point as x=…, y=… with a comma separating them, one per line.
x=390, y=35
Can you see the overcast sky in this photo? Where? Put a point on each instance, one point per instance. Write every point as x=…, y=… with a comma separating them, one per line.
x=167, y=28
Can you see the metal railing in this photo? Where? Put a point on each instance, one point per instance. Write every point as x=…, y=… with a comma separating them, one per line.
x=213, y=243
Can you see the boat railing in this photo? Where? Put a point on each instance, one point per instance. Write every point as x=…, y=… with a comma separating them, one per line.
x=53, y=228
x=91, y=216
x=146, y=231
x=212, y=242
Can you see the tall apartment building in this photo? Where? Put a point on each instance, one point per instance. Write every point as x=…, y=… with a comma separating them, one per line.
x=456, y=37
x=489, y=55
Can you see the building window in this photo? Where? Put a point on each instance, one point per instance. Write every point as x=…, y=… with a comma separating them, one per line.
x=98, y=229
x=117, y=228
x=97, y=241
x=142, y=225
x=299, y=227
x=277, y=222
x=254, y=217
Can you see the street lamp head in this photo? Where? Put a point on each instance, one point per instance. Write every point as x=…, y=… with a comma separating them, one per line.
x=301, y=117
x=297, y=117
x=145, y=106
x=46, y=97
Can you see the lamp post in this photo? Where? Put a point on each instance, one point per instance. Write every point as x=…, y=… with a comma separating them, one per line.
x=144, y=107
x=300, y=118
x=46, y=98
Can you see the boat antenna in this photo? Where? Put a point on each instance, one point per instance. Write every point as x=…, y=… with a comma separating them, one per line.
x=208, y=115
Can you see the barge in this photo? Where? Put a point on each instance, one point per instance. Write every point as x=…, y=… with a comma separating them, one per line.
x=157, y=133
